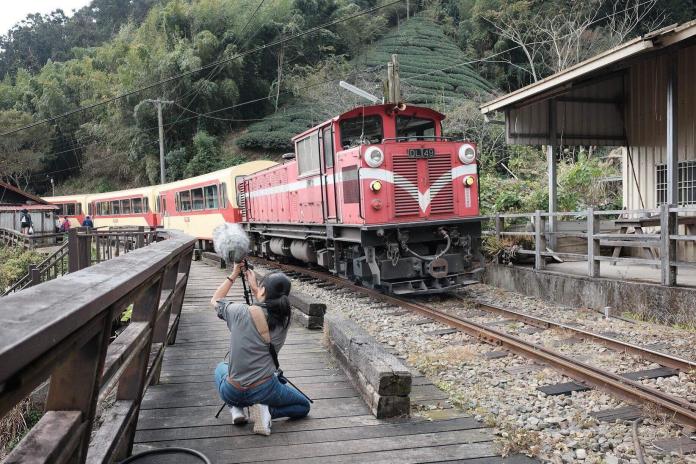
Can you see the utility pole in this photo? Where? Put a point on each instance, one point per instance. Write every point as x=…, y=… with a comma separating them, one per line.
x=159, y=102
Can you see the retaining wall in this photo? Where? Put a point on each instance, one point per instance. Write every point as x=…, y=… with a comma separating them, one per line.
x=653, y=301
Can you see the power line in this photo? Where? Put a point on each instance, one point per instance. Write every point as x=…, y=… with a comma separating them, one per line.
x=202, y=68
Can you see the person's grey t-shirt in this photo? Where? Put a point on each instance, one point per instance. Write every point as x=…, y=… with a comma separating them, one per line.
x=250, y=360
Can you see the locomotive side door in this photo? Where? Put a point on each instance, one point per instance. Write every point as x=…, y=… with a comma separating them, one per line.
x=328, y=176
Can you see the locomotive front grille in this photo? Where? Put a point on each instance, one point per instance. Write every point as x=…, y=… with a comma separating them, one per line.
x=441, y=192
x=405, y=186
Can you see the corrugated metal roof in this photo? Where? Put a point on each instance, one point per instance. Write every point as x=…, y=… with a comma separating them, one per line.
x=564, y=80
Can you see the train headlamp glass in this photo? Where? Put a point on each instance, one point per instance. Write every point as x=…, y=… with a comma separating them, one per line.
x=468, y=181
x=376, y=186
x=374, y=157
x=467, y=153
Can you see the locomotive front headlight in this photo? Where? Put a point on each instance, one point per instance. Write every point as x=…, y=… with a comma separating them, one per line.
x=469, y=181
x=374, y=157
x=467, y=153
x=375, y=186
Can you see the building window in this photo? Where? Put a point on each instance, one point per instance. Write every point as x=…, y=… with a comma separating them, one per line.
x=686, y=183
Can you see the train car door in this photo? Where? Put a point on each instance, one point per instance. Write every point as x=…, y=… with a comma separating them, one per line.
x=328, y=175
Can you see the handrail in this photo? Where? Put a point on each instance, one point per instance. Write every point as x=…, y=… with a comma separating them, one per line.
x=667, y=218
x=68, y=343
x=82, y=248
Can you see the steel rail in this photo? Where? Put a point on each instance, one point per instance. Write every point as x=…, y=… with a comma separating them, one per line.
x=661, y=358
x=629, y=390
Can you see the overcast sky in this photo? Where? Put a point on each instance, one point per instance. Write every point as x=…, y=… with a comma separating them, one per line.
x=14, y=11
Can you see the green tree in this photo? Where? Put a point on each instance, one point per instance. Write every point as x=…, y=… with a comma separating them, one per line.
x=206, y=156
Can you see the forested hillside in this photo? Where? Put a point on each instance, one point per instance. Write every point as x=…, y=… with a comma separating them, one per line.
x=237, y=97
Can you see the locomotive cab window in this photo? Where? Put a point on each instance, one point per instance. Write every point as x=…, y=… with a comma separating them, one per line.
x=327, y=141
x=413, y=128
x=355, y=131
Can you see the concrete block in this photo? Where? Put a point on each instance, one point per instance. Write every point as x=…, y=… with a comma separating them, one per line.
x=308, y=322
x=307, y=304
x=383, y=381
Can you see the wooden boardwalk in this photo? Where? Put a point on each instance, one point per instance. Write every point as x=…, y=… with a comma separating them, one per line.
x=180, y=411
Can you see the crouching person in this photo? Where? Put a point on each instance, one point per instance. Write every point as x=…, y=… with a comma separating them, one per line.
x=249, y=379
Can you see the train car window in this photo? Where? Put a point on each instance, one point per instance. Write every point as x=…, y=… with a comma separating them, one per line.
x=90, y=209
x=308, y=154
x=327, y=139
x=163, y=204
x=198, y=201
x=146, y=205
x=115, y=207
x=185, y=201
x=223, y=195
x=355, y=131
x=211, y=197
x=126, y=207
x=69, y=209
x=414, y=128
x=137, y=205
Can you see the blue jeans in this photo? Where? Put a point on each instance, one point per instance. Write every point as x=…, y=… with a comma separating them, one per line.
x=282, y=399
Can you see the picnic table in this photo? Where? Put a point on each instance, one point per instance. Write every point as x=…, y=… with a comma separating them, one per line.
x=638, y=224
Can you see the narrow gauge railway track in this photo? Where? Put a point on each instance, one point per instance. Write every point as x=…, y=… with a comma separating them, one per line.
x=629, y=390
x=663, y=359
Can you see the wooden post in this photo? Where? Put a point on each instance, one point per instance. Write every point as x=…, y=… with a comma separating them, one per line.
x=74, y=385
x=140, y=238
x=498, y=233
x=132, y=383
x=539, y=241
x=592, y=244
x=73, y=251
x=34, y=274
x=668, y=247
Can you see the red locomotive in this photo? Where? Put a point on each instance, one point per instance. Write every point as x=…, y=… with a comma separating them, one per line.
x=376, y=195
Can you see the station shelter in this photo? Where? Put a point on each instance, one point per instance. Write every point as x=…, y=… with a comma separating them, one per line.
x=13, y=200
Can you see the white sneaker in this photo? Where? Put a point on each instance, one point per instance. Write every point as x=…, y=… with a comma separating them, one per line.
x=261, y=417
x=239, y=417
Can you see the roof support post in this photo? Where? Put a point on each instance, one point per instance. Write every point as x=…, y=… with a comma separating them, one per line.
x=551, y=151
x=672, y=154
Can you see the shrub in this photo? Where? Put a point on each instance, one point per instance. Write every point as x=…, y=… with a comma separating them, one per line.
x=14, y=262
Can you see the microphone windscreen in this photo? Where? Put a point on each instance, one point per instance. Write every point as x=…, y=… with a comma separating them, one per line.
x=231, y=242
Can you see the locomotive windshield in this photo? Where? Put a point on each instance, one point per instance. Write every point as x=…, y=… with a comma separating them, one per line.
x=412, y=128
x=355, y=131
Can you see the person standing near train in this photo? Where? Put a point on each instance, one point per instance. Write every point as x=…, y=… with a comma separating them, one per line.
x=249, y=379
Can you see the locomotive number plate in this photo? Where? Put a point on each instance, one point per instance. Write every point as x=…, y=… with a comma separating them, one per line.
x=421, y=153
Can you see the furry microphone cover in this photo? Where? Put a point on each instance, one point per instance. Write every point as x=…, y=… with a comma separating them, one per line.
x=230, y=242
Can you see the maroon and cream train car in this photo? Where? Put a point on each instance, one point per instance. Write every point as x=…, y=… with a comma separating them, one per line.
x=376, y=195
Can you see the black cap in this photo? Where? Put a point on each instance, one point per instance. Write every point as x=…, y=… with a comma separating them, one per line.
x=276, y=284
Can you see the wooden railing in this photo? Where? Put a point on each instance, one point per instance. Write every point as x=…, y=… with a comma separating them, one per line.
x=14, y=238
x=83, y=247
x=660, y=245
x=60, y=330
